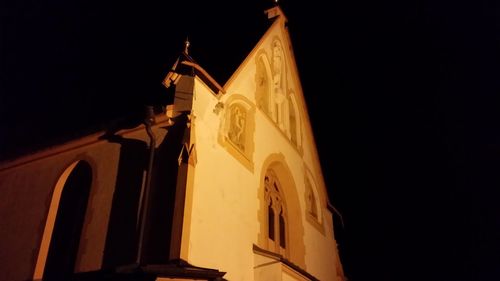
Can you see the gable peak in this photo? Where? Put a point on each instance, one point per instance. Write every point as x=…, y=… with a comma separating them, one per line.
x=186, y=46
x=275, y=11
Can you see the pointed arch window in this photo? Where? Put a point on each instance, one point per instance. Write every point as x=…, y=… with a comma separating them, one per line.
x=276, y=214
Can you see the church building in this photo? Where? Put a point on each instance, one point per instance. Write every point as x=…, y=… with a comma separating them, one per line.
x=224, y=183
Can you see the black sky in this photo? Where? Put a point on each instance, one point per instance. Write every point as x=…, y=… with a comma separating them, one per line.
x=403, y=96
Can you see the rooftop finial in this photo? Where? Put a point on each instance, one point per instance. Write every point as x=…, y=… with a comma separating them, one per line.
x=186, y=46
x=275, y=11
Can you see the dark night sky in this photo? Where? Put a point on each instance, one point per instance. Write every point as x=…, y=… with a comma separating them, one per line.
x=403, y=96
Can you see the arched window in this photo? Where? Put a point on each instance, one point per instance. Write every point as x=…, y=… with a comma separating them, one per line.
x=280, y=214
x=276, y=214
x=61, y=238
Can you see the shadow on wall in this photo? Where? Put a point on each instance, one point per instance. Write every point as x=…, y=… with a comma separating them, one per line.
x=158, y=233
x=122, y=237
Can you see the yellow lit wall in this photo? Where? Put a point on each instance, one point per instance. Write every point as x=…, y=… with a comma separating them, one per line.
x=222, y=217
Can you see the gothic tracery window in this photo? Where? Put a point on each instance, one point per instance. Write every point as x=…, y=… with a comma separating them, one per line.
x=276, y=214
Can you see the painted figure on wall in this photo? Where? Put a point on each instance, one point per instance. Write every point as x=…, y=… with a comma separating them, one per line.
x=236, y=131
x=278, y=84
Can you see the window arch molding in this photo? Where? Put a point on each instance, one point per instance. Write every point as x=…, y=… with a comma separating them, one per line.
x=295, y=251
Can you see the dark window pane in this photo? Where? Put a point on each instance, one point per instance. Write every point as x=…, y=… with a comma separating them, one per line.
x=282, y=231
x=270, y=220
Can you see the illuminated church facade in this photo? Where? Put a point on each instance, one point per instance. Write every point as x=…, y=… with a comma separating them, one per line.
x=225, y=184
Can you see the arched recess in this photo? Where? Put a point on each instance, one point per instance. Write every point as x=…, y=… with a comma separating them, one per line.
x=294, y=228
x=263, y=83
x=295, y=129
x=318, y=196
x=279, y=106
x=237, y=129
x=272, y=96
x=61, y=236
x=311, y=200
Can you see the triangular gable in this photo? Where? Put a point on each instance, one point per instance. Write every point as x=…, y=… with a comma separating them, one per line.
x=274, y=86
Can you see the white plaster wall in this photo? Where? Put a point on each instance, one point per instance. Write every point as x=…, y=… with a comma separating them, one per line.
x=267, y=268
x=224, y=222
x=222, y=226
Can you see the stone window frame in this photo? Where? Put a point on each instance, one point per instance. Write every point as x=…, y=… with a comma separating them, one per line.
x=277, y=233
x=295, y=247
